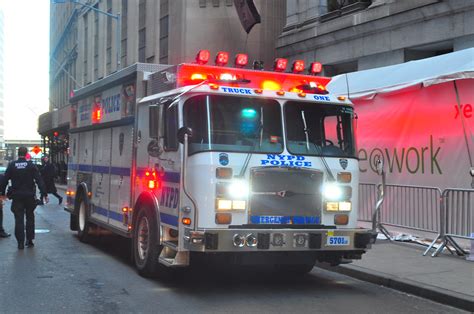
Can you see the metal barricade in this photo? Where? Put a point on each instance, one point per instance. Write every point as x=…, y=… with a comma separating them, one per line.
x=367, y=200
x=457, y=219
x=412, y=207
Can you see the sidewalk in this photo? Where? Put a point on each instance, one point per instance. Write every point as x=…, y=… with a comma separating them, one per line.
x=446, y=279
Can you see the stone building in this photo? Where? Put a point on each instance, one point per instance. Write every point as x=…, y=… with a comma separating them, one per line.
x=87, y=45
x=352, y=35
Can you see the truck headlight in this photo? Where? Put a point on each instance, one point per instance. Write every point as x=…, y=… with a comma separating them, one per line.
x=224, y=204
x=332, y=192
x=338, y=206
x=238, y=189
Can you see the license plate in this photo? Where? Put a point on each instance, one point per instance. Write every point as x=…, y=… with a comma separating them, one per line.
x=338, y=240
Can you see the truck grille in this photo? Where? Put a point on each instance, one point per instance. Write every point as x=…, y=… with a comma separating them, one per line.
x=285, y=192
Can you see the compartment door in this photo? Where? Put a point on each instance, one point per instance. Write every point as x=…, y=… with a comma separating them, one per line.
x=101, y=174
x=120, y=175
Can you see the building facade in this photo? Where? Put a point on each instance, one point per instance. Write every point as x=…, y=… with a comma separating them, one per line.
x=354, y=35
x=87, y=45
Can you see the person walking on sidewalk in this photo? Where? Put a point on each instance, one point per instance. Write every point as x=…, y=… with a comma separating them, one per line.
x=3, y=233
x=23, y=175
x=49, y=173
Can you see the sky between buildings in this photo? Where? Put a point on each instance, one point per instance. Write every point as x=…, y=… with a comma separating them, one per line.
x=26, y=66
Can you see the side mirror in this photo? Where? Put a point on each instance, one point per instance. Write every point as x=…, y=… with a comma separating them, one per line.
x=182, y=131
x=153, y=123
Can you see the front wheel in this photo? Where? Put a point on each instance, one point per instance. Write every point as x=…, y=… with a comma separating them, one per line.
x=146, y=247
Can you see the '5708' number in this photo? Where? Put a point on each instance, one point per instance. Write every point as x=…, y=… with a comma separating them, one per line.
x=340, y=240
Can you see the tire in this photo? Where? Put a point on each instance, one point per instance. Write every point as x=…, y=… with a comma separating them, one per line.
x=146, y=248
x=83, y=224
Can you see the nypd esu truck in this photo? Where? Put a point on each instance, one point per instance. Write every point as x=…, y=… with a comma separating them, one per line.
x=214, y=162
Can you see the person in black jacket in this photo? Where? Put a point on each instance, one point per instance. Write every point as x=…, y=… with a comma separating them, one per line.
x=23, y=175
x=49, y=173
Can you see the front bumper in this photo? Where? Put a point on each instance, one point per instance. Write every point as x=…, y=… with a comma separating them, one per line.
x=223, y=240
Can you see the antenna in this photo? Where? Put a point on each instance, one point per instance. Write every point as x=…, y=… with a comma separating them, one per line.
x=347, y=85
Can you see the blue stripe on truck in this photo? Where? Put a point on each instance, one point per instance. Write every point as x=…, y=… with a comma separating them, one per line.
x=172, y=177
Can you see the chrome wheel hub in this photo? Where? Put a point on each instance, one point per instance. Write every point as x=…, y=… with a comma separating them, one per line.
x=143, y=238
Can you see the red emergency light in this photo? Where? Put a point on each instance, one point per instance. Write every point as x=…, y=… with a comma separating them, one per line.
x=192, y=74
x=280, y=65
x=222, y=58
x=203, y=56
x=151, y=180
x=315, y=68
x=241, y=60
x=298, y=66
x=311, y=87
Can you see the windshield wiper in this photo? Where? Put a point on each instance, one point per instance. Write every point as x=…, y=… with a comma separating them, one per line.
x=305, y=130
x=319, y=149
x=249, y=155
x=261, y=127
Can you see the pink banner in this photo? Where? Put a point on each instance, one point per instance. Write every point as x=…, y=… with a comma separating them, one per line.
x=420, y=135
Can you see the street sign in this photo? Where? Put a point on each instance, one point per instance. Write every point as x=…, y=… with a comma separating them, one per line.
x=36, y=150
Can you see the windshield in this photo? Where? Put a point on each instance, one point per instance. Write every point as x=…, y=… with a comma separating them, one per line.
x=236, y=124
x=319, y=129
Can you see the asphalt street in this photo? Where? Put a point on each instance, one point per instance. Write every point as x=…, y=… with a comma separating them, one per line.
x=61, y=274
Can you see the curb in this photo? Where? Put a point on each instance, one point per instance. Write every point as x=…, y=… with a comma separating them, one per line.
x=446, y=297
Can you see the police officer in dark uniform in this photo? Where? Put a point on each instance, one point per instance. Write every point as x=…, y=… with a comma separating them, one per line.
x=23, y=175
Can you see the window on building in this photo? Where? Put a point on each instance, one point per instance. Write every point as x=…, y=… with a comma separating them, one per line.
x=331, y=70
x=428, y=51
x=108, y=56
x=124, y=33
x=334, y=5
x=336, y=8
x=142, y=31
x=164, y=31
x=86, y=46
x=96, y=43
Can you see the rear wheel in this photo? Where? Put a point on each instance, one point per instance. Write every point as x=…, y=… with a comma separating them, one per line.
x=146, y=247
x=83, y=224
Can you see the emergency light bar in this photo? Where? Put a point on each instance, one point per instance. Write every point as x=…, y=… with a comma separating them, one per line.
x=193, y=74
